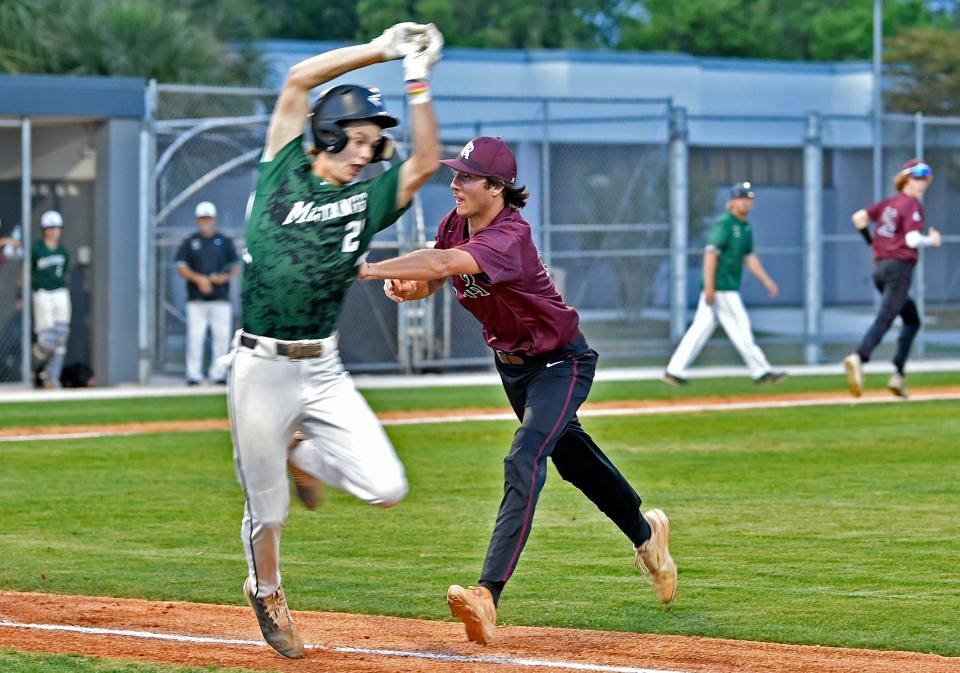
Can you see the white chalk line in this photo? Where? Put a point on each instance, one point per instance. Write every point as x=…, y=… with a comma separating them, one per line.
x=622, y=411
x=74, y=435
x=692, y=408
x=432, y=656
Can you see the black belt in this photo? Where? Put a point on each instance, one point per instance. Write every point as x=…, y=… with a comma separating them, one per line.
x=576, y=345
x=294, y=351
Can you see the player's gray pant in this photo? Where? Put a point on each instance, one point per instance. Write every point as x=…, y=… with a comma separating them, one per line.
x=270, y=396
x=729, y=311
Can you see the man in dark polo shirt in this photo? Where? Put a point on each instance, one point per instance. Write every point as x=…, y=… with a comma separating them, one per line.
x=207, y=260
x=484, y=246
x=899, y=236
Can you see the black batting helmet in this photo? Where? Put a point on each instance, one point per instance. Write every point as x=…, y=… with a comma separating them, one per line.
x=345, y=103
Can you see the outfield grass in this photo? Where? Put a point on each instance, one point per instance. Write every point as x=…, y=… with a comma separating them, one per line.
x=833, y=525
x=410, y=399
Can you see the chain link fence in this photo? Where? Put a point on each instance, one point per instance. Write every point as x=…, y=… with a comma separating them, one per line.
x=11, y=319
x=600, y=177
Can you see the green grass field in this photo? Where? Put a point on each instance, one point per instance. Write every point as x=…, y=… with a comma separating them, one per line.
x=832, y=525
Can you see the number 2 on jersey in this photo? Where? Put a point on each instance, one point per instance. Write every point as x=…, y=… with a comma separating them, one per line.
x=350, y=242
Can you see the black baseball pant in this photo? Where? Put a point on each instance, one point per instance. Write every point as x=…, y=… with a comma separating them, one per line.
x=892, y=278
x=545, y=393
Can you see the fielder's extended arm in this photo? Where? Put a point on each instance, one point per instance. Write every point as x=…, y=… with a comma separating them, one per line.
x=426, y=264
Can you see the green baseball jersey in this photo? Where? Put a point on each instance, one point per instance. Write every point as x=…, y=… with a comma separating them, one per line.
x=49, y=266
x=732, y=240
x=305, y=237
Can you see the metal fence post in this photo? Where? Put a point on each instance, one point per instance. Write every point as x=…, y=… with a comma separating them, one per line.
x=921, y=265
x=679, y=186
x=26, y=177
x=147, y=249
x=877, y=100
x=545, y=222
x=812, y=237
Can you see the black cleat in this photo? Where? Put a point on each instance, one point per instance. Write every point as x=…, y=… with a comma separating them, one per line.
x=770, y=377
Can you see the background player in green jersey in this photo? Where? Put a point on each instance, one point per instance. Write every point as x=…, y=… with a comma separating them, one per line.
x=51, y=300
x=729, y=248
x=310, y=225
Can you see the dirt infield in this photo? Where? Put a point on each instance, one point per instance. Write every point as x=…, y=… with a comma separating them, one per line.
x=361, y=644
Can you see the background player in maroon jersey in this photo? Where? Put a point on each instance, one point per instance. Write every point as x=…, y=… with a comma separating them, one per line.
x=484, y=245
x=899, y=235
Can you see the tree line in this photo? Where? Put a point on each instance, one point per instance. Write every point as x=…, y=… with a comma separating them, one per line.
x=214, y=41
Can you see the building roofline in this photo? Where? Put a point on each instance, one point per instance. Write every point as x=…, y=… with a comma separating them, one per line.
x=72, y=96
x=310, y=47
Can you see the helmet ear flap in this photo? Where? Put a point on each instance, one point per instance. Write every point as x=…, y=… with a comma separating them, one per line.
x=329, y=137
x=384, y=148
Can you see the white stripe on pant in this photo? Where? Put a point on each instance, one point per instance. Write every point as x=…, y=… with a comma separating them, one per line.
x=729, y=311
x=216, y=315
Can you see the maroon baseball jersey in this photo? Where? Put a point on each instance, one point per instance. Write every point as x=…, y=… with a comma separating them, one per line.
x=895, y=217
x=513, y=298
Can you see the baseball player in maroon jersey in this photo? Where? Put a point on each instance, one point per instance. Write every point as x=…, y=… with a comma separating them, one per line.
x=896, y=243
x=547, y=369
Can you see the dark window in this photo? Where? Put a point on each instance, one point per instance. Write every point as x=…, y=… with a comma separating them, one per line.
x=762, y=166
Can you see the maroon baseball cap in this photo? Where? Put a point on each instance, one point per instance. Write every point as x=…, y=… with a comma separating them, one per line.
x=488, y=156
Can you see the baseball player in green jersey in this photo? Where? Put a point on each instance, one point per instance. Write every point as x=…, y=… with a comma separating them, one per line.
x=729, y=248
x=51, y=300
x=310, y=226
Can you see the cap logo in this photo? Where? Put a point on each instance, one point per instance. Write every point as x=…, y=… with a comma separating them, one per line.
x=375, y=99
x=467, y=149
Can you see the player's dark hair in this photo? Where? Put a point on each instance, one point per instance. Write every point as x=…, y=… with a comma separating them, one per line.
x=514, y=196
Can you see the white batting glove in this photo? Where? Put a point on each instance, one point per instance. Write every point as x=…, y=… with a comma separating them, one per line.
x=418, y=65
x=401, y=39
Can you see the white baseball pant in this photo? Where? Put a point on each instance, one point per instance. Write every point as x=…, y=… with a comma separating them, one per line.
x=729, y=311
x=51, y=323
x=50, y=307
x=269, y=397
x=218, y=317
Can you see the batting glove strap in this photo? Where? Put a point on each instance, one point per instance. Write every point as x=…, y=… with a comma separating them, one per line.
x=418, y=91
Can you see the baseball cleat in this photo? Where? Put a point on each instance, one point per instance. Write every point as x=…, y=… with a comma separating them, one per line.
x=898, y=384
x=45, y=381
x=276, y=623
x=854, y=366
x=770, y=377
x=673, y=379
x=310, y=490
x=653, y=556
x=474, y=607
